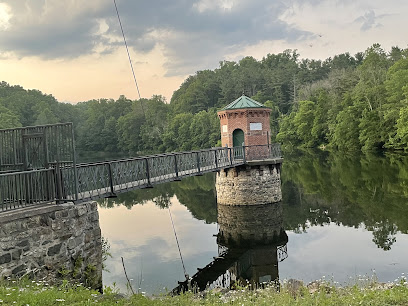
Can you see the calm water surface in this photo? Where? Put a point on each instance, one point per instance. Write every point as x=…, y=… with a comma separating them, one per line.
x=345, y=217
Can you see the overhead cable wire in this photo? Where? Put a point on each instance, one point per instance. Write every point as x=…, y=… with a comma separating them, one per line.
x=178, y=245
x=127, y=50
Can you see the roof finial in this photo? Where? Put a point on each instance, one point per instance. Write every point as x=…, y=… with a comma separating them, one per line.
x=243, y=92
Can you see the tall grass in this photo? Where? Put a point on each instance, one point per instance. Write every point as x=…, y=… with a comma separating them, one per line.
x=291, y=293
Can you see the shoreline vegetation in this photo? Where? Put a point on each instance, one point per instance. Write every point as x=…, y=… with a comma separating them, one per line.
x=365, y=291
x=345, y=102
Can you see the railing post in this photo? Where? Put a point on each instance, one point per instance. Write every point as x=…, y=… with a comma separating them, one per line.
x=176, y=168
x=75, y=169
x=216, y=159
x=58, y=182
x=112, y=190
x=230, y=155
x=243, y=154
x=198, y=162
x=149, y=183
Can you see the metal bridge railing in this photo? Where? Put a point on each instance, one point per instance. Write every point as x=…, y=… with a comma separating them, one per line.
x=35, y=147
x=64, y=182
x=260, y=152
x=20, y=189
x=282, y=252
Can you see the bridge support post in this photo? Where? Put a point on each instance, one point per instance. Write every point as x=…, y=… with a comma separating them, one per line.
x=198, y=163
x=216, y=159
x=58, y=183
x=112, y=189
x=176, y=168
x=149, y=183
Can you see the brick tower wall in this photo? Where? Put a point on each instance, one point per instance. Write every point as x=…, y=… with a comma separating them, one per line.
x=242, y=119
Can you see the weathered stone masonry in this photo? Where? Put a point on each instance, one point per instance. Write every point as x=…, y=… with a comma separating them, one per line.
x=249, y=225
x=45, y=241
x=249, y=185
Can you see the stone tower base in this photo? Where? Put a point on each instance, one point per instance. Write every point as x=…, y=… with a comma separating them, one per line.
x=249, y=185
x=243, y=226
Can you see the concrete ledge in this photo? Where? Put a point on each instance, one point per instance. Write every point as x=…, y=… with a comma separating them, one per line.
x=30, y=211
x=262, y=162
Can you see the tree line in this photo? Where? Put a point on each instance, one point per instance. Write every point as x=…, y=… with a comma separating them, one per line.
x=346, y=102
x=355, y=108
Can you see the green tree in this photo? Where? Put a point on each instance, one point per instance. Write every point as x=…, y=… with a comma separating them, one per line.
x=370, y=130
x=177, y=134
x=151, y=132
x=303, y=123
x=197, y=93
x=346, y=132
x=128, y=129
x=287, y=131
x=205, y=130
x=45, y=115
x=275, y=116
x=401, y=139
x=280, y=71
x=99, y=128
x=396, y=89
x=8, y=119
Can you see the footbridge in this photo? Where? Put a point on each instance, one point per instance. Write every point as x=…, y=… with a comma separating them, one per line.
x=38, y=166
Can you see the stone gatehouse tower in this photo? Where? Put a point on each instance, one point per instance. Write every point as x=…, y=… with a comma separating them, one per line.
x=244, y=122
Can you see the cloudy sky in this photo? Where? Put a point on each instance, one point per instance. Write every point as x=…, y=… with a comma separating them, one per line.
x=74, y=50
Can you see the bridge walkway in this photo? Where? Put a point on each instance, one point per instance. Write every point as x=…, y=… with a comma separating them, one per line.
x=63, y=182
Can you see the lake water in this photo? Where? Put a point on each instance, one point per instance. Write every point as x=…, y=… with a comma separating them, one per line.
x=346, y=217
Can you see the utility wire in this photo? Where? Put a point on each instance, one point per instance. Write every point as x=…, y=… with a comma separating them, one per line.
x=178, y=245
x=130, y=60
x=128, y=281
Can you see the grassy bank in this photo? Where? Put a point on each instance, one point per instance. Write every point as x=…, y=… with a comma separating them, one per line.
x=40, y=293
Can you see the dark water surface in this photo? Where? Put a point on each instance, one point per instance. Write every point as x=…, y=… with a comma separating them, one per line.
x=346, y=217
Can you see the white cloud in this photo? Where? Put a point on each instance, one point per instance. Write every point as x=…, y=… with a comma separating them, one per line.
x=5, y=15
x=172, y=39
x=347, y=26
x=207, y=5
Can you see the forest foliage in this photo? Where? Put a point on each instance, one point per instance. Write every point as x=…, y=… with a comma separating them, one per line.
x=346, y=102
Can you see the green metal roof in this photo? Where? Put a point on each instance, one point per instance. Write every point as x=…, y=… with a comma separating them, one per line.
x=244, y=102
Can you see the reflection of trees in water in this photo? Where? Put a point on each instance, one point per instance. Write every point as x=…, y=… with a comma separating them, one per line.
x=384, y=234
x=318, y=188
x=196, y=193
x=347, y=189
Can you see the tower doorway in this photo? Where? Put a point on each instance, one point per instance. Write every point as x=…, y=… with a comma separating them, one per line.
x=238, y=138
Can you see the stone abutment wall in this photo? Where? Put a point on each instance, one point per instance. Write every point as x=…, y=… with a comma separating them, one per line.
x=52, y=242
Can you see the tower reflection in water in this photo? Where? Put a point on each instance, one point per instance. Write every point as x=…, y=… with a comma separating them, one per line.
x=251, y=242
